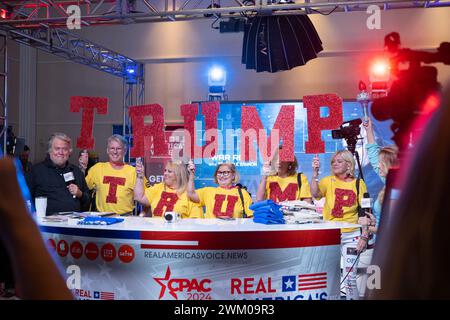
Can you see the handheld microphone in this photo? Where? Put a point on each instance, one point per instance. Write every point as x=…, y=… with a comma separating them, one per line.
x=69, y=178
x=363, y=98
x=365, y=110
x=366, y=203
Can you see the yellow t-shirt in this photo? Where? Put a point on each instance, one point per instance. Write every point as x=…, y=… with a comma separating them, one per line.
x=164, y=199
x=224, y=202
x=114, y=188
x=340, y=200
x=286, y=189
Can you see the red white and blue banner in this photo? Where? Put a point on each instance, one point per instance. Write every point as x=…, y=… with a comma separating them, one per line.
x=235, y=262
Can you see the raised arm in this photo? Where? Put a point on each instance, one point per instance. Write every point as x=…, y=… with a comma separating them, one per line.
x=315, y=191
x=139, y=188
x=83, y=161
x=192, y=195
x=373, y=149
x=261, y=192
x=367, y=124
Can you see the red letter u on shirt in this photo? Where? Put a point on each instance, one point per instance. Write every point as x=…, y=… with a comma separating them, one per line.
x=218, y=201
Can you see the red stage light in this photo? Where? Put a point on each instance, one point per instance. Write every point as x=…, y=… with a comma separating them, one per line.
x=379, y=76
x=380, y=71
x=3, y=13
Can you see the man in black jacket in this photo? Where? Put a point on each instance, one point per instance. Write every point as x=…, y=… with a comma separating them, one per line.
x=62, y=183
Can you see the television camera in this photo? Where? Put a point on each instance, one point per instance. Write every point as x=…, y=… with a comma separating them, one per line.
x=349, y=131
x=408, y=94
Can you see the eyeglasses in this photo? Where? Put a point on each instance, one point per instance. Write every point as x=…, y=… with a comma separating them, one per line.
x=223, y=173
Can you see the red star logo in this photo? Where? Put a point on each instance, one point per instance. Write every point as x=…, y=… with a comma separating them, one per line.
x=164, y=286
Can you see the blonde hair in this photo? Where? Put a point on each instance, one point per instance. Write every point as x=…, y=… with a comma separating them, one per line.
x=61, y=136
x=232, y=168
x=347, y=156
x=181, y=174
x=387, y=156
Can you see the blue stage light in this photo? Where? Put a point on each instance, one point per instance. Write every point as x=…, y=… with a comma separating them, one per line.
x=131, y=73
x=217, y=76
x=217, y=79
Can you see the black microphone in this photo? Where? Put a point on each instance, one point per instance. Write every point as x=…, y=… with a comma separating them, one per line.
x=69, y=178
x=366, y=204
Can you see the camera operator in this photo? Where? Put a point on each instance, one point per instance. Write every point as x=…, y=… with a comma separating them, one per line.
x=342, y=199
x=410, y=102
x=409, y=95
x=416, y=267
x=381, y=160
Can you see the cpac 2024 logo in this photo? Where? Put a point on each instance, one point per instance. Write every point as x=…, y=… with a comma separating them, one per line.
x=181, y=285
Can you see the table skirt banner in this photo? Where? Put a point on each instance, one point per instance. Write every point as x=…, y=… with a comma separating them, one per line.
x=203, y=265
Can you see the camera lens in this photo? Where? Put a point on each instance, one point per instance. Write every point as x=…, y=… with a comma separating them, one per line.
x=171, y=217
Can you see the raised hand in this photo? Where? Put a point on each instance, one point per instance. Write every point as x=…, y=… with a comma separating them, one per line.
x=83, y=160
x=316, y=164
x=367, y=123
x=140, y=170
x=267, y=168
x=191, y=167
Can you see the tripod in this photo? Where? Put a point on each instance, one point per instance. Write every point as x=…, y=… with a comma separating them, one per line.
x=351, y=146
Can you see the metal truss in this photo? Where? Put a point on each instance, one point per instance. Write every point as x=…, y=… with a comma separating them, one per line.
x=55, y=38
x=43, y=23
x=70, y=46
x=53, y=13
x=133, y=94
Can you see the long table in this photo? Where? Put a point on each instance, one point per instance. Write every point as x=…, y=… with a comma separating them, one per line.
x=196, y=259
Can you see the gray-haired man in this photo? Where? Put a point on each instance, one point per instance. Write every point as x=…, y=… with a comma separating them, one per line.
x=62, y=183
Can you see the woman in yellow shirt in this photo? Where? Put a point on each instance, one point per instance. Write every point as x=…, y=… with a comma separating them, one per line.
x=284, y=184
x=341, y=204
x=225, y=201
x=169, y=195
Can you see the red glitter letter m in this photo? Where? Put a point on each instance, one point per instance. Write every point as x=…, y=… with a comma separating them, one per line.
x=253, y=129
x=288, y=194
